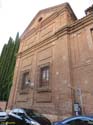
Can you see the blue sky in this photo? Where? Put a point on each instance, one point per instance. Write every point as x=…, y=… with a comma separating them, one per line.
x=15, y=15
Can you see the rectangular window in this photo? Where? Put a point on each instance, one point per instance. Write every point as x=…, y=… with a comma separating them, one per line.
x=25, y=80
x=44, y=76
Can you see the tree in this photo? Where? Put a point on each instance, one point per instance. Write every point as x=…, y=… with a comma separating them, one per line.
x=7, y=64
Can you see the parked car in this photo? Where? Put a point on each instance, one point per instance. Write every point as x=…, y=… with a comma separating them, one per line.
x=77, y=120
x=3, y=117
x=21, y=116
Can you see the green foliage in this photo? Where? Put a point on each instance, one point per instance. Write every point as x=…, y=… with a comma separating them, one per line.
x=7, y=64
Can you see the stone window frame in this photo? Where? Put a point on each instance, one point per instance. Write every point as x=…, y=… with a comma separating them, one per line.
x=44, y=72
x=46, y=88
x=24, y=90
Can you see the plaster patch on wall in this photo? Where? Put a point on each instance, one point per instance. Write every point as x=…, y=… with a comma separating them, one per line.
x=64, y=58
x=90, y=44
x=86, y=81
x=65, y=81
x=78, y=35
x=88, y=61
x=89, y=41
x=57, y=73
x=74, y=35
x=53, y=43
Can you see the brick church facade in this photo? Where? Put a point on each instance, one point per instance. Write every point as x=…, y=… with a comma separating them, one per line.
x=54, y=66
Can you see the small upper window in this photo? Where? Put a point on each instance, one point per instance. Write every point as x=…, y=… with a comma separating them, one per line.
x=40, y=19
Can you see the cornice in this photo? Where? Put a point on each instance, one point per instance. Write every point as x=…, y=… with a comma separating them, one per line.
x=62, y=31
x=77, y=25
x=66, y=30
x=81, y=23
x=35, y=47
x=54, y=15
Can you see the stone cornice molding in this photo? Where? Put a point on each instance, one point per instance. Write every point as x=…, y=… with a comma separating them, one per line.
x=66, y=30
x=54, y=15
x=77, y=25
x=81, y=23
x=35, y=47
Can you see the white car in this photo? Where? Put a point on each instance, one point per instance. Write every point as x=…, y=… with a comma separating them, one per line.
x=3, y=117
x=22, y=116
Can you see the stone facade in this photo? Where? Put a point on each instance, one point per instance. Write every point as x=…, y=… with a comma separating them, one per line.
x=59, y=42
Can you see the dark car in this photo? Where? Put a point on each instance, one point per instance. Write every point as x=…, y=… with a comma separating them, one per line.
x=77, y=120
x=21, y=116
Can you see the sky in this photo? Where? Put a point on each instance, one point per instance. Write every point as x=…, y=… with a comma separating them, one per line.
x=15, y=15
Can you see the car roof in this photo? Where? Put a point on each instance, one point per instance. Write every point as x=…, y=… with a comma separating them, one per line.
x=76, y=117
x=23, y=110
x=17, y=110
x=3, y=113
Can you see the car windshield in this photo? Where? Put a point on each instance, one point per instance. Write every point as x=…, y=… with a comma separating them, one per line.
x=32, y=113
